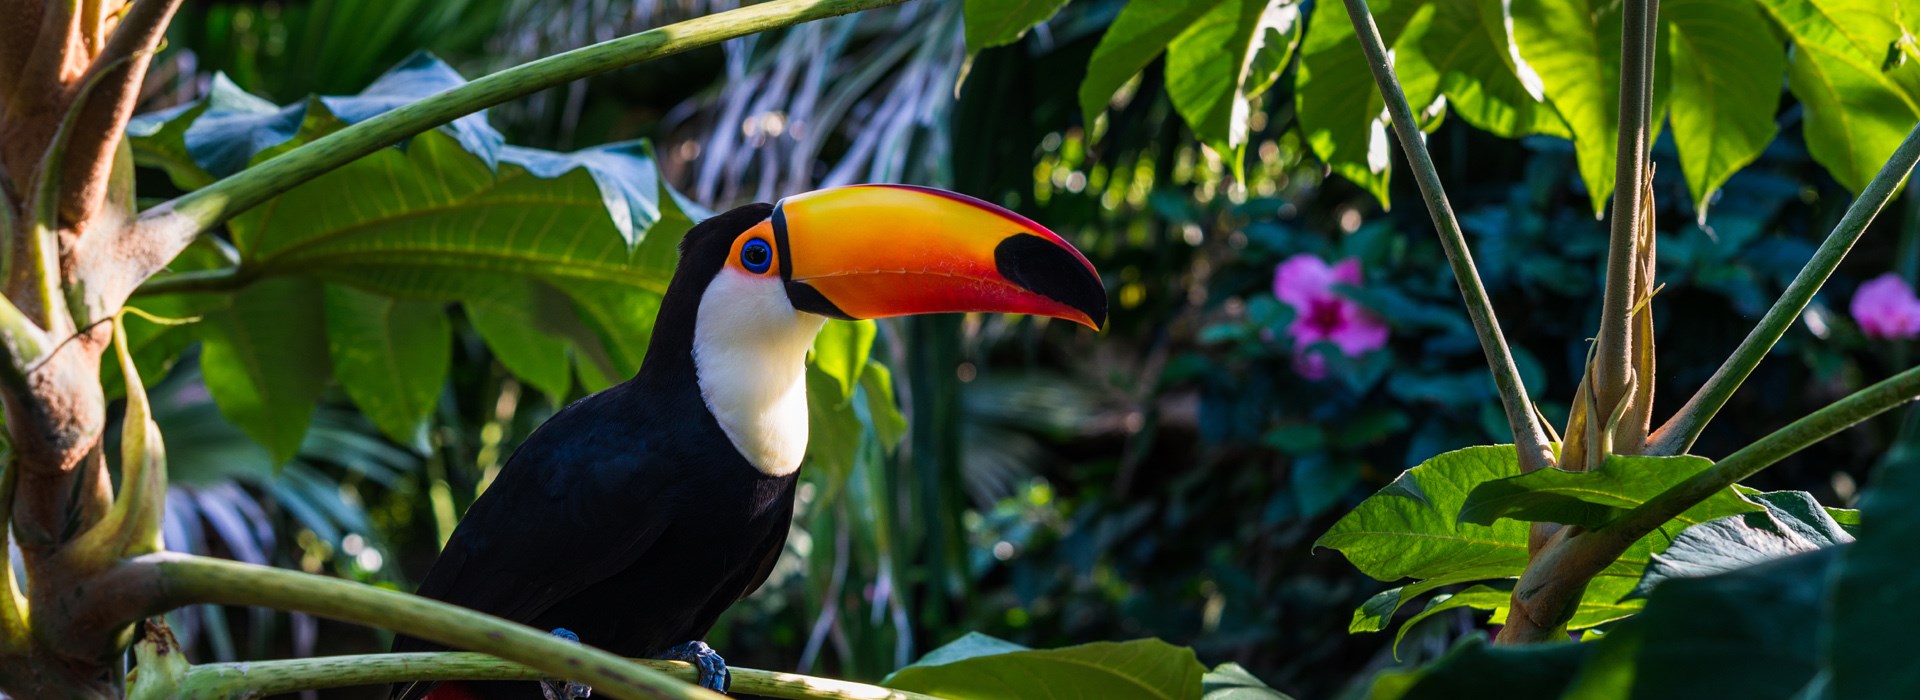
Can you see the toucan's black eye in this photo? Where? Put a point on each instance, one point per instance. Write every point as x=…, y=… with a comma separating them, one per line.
x=756, y=256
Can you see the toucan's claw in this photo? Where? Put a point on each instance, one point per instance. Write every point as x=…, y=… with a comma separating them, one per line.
x=554, y=689
x=714, y=675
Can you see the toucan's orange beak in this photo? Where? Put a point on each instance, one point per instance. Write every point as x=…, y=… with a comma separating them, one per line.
x=871, y=251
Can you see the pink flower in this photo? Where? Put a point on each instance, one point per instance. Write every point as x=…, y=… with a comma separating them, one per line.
x=1885, y=307
x=1306, y=282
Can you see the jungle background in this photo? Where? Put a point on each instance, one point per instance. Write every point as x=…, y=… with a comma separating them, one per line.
x=1166, y=478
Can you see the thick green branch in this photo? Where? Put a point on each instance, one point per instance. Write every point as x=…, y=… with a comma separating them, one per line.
x=1614, y=370
x=1551, y=587
x=166, y=229
x=264, y=678
x=186, y=580
x=1529, y=439
x=1678, y=434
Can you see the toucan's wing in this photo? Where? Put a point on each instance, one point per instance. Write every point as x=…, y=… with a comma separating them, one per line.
x=547, y=527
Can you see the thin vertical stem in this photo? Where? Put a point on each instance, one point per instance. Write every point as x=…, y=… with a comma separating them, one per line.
x=1615, y=357
x=1521, y=416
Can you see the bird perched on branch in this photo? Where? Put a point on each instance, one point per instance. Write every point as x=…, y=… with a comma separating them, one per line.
x=637, y=515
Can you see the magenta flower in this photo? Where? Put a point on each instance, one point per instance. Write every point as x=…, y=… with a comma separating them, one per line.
x=1305, y=282
x=1885, y=307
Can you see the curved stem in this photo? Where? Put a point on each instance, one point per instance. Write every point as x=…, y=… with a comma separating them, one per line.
x=1529, y=439
x=167, y=228
x=265, y=678
x=1679, y=432
x=187, y=579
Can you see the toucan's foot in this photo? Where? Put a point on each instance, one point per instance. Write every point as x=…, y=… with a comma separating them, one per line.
x=714, y=675
x=554, y=689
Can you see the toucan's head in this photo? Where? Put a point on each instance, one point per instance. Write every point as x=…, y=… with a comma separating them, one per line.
x=756, y=283
x=874, y=251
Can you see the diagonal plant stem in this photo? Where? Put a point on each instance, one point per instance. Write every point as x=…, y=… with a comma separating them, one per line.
x=1550, y=589
x=1528, y=438
x=1679, y=432
x=165, y=229
x=185, y=580
x=266, y=678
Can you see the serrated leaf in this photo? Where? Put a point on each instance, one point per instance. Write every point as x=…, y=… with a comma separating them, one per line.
x=993, y=23
x=1340, y=110
x=391, y=356
x=1726, y=86
x=1224, y=61
x=1140, y=32
x=1593, y=498
x=988, y=668
x=1857, y=114
x=264, y=356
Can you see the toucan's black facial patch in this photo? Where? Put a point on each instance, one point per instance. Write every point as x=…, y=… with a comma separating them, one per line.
x=1045, y=268
x=804, y=297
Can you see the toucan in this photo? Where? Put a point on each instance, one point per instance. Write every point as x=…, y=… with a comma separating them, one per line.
x=634, y=517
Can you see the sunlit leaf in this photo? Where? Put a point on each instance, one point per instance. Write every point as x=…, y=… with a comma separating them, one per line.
x=1476, y=597
x=1478, y=71
x=1726, y=86
x=1856, y=113
x=1220, y=63
x=1137, y=35
x=841, y=351
x=1410, y=528
x=993, y=23
x=1594, y=498
x=1340, y=110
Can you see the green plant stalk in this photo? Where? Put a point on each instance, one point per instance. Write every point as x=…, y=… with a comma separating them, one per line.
x=1528, y=438
x=187, y=580
x=1680, y=431
x=265, y=678
x=175, y=223
x=1615, y=355
x=15, y=634
x=1550, y=589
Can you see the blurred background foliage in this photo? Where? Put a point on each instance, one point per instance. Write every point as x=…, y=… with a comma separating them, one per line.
x=1165, y=478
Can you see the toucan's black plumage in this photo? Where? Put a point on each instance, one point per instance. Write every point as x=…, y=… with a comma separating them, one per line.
x=636, y=516
x=627, y=517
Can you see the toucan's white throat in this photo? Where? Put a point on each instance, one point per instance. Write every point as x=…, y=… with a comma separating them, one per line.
x=750, y=358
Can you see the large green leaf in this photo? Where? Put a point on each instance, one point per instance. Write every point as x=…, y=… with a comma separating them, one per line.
x=841, y=351
x=993, y=23
x=451, y=215
x=1410, y=529
x=1726, y=86
x=391, y=356
x=1865, y=638
x=1137, y=35
x=1856, y=114
x=1574, y=47
x=1225, y=60
x=1792, y=523
x=1594, y=498
x=264, y=355
x=1476, y=597
x=1760, y=642
x=976, y=666
x=1340, y=110
x=1466, y=45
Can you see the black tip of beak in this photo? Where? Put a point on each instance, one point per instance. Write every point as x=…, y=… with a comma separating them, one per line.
x=1045, y=268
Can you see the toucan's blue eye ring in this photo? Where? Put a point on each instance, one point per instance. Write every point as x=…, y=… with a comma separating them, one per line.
x=756, y=256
